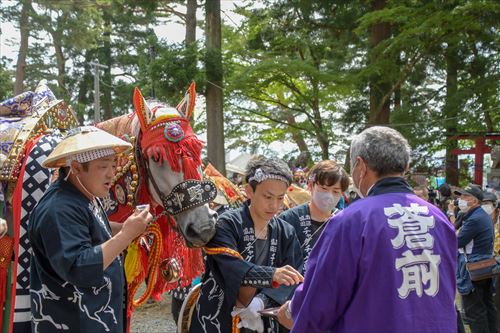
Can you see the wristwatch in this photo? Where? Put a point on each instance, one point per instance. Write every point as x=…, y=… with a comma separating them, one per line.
x=288, y=313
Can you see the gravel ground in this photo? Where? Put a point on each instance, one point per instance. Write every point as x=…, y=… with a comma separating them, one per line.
x=153, y=317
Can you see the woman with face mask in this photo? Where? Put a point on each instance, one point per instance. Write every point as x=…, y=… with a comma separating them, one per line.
x=490, y=206
x=326, y=182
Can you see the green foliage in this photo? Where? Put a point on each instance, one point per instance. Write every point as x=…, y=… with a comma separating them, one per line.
x=295, y=71
x=6, y=84
x=173, y=69
x=286, y=71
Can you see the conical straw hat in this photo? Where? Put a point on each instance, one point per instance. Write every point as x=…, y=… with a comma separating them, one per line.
x=84, y=139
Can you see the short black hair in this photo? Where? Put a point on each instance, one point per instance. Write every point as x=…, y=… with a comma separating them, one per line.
x=269, y=166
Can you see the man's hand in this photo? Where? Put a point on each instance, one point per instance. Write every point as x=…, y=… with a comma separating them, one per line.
x=287, y=275
x=285, y=316
x=3, y=227
x=136, y=223
x=250, y=316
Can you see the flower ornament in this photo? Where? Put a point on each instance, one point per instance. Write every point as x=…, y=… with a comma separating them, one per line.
x=173, y=132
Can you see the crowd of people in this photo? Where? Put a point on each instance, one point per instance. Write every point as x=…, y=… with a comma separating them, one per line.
x=379, y=258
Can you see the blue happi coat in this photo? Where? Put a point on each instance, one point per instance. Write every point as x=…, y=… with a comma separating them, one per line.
x=308, y=231
x=225, y=274
x=69, y=289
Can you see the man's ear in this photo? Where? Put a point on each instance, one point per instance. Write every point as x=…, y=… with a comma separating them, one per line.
x=76, y=167
x=363, y=167
x=249, y=191
x=407, y=168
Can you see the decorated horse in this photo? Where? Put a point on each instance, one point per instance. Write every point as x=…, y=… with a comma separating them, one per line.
x=163, y=170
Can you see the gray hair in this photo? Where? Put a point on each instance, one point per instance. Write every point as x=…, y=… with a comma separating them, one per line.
x=384, y=149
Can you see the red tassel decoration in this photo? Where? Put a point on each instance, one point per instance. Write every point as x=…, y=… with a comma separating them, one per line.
x=186, y=151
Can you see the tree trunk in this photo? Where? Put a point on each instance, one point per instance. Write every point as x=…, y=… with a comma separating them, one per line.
x=191, y=22
x=214, y=75
x=450, y=111
x=61, y=65
x=397, y=98
x=84, y=87
x=324, y=145
x=379, y=109
x=321, y=136
x=106, y=78
x=23, y=48
x=298, y=138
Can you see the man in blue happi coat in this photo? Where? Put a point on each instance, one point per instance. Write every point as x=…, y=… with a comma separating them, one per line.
x=250, y=259
x=77, y=279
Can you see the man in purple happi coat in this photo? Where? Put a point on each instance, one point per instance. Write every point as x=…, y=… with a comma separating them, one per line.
x=386, y=263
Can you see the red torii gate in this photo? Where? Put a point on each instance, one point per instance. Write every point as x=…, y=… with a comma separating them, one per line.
x=479, y=150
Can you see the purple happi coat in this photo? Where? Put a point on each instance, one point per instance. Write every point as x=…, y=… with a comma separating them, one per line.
x=385, y=264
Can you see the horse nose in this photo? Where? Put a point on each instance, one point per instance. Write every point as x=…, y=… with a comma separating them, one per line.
x=203, y=233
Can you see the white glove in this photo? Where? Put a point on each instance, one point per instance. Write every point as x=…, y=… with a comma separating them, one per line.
x=250, y=316
x=252, y=324
x=251, y=311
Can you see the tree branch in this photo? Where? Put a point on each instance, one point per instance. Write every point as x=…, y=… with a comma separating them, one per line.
x=275, y=120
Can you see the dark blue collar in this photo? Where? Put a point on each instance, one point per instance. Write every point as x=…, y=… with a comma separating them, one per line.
x=390, y=185
x=469, y=213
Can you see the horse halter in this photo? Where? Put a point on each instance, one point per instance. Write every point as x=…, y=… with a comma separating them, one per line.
x=185, y=195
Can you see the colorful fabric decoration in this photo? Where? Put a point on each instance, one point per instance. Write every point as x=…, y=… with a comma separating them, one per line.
x=6, y=247
x=173, y=132
x=43, y=94
x=34, y=180
x=230, y=191
x=182, y=156
x=20, y=105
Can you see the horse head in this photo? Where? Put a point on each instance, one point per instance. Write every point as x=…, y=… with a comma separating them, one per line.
x=171, y=154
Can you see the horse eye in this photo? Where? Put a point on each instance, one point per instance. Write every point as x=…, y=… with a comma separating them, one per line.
x=157, y=156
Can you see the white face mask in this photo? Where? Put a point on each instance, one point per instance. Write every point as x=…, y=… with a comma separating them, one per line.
x=356, y=188
x=462, y=205
x=325, y=201
x=488, y=208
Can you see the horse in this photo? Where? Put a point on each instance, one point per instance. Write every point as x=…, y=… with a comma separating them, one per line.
x=163, y=170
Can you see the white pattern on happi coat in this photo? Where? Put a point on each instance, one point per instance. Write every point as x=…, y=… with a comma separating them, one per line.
x=212, y=319
x=105, y=308
x=419, y=269
x=37, y=315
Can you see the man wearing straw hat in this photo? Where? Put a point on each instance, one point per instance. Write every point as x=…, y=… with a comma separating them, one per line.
x=77, y=277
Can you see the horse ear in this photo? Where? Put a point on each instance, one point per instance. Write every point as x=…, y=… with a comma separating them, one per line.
x=141, y=109
x=186, y=105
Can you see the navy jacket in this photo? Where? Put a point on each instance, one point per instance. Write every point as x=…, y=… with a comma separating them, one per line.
x=475, y=237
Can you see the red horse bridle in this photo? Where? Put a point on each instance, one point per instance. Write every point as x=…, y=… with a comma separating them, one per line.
x=191, y=192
